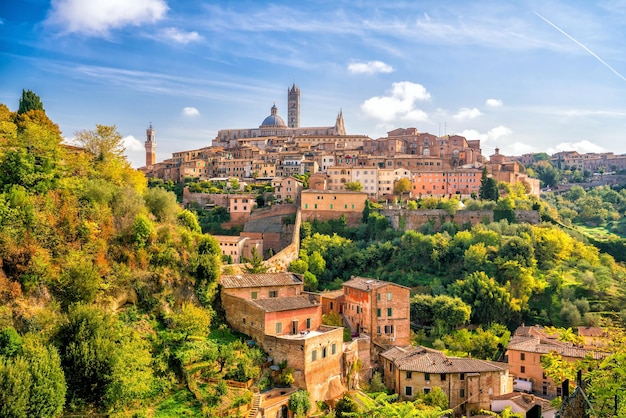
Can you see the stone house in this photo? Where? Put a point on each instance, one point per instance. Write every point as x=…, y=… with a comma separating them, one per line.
x=469, y=383
x=524, y=352
x=523, y=403
x=286, y=322
x=373, y=307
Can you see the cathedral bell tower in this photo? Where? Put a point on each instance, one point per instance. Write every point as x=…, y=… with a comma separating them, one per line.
x=293, y=106
x=150, y=145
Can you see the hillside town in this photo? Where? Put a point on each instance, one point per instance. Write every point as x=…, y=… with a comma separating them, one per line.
x=276, y=312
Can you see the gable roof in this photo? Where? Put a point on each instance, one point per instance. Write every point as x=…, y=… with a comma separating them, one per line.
x=367, y=284
x=287, y=303
x=524, y=401
x=260, y=280
x=425, y=360
x=545, y=346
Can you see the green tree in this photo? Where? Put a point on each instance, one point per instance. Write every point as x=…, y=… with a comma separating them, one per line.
x=255, y=265
x=192, y=321
x=436, y=398
x=353, y=186
x=104, y=143
x=29, y=101
x=317, y=264
x=10, y=342
x=162, y=204
x=490, y=302
x=300, y=403
x=345, y=406
x=401, y=186
x=15, y=384
x=47, y=393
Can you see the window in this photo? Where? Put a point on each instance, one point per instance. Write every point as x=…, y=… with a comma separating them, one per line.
x=331, y=306
x=408, y=391
x=324, y=352
x=273, y=293
x=378, y=312
x=279, y=328
x=254, y=295
x=314, y=355
x=333, y=349
x=522, y=369
x=388, y=329
x=522, y=356
x=308, y=323
x=427, y=376
x=462, y=377
x=389, y=312
x=409, y=375
x=378, y=297
x=462, y=393
x=443, y=377
x=378, y=329
x=426, y=390
x=388, y=295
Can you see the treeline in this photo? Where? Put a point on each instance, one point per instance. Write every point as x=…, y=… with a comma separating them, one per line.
x=506, y=273
x=106, y=285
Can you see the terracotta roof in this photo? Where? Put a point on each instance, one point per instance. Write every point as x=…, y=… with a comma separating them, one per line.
x=260, y=280
x=366, y=284
x=332, y=294
x=591, y=332
x=545, y=346
x=421, y=359
x=286, y=303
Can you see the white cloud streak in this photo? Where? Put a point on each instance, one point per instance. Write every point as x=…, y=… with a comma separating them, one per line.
x=493, y=103
x=467, y=114
x=399, y=105
x=593, y=54
x=370, y=67
x=191, y=112
x=180, y=36
x=583, y=147
x=98, y=17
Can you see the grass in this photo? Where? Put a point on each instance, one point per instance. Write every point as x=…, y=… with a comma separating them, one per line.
x=179, y=404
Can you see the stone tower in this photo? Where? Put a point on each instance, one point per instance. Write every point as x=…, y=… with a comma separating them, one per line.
x=293, y=104
x=150, y=145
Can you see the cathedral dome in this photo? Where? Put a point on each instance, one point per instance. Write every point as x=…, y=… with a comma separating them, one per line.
x=273, y=120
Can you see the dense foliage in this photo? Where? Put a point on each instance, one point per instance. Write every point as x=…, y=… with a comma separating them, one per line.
x=104, y=283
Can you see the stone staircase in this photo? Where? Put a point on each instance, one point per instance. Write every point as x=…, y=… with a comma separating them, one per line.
x=256, y=404
x=347, y=324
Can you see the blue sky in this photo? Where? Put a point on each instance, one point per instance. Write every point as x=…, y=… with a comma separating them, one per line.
x=524, y=76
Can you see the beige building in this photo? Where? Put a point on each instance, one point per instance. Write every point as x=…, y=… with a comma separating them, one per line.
x=287, y=188
x=238, y=248
x=469, y=383
x=330, y=204
x=286, y=322
x=524, y=353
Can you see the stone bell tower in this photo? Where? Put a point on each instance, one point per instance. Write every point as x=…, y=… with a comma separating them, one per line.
x=150, y=145
x=293, y=106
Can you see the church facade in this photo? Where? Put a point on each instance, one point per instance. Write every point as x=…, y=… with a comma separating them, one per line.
x=274, y=125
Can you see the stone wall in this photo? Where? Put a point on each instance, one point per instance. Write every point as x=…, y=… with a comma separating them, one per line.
x=413, y=219
x=352, y=218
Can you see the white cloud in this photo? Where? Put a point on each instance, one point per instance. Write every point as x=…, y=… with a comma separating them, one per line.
x=492, y=135
x=191, y=112
x=97, y=17
x=400, y=104
x=582, y=147
x=517, y=148
x=132, y=144
x=494, y=103
x=467, y=114
x=180, y=36
x=370, y=67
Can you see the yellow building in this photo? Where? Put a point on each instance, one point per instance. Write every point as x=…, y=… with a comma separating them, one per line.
x=331, y=204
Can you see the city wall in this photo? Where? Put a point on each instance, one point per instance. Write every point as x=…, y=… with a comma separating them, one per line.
x=412, y=219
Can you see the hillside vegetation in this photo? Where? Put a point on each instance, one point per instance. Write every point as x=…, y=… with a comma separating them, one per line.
x=106, y=287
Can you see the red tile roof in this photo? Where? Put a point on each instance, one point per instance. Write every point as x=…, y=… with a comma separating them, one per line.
x=260, y=280
x=287, y=303
x=424, y=360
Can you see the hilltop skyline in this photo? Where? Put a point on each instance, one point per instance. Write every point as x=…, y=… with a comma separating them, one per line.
x=525, y=77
